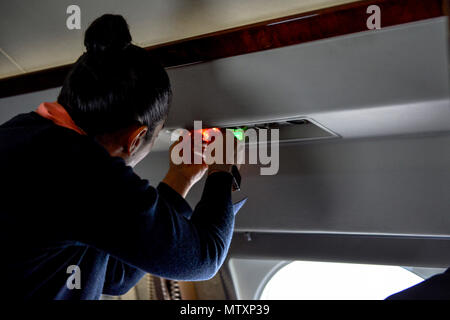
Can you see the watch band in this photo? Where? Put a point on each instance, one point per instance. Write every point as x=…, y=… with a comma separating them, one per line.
x=236, y=178
x=234, y=171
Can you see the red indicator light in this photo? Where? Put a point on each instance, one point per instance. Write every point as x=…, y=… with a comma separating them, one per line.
x=205, y=135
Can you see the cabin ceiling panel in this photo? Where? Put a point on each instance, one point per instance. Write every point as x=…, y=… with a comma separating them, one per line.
x=34, y=33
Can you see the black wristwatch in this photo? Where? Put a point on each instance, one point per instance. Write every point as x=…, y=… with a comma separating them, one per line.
x=234, y=171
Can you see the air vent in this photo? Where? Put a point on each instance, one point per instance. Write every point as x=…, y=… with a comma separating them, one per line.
x=300, y=129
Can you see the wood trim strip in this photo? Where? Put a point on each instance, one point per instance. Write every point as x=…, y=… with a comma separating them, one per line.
x=275, y=33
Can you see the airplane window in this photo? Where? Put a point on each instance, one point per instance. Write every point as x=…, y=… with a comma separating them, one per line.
x=304, y=280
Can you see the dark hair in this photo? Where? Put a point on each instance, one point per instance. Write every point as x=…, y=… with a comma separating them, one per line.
x=115, y=83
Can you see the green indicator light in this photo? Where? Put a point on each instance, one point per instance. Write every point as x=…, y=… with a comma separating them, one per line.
x=239, y=134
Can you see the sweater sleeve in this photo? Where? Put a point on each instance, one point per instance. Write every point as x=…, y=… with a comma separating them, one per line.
x=148, y=228
x=435, y=288
x=120, y=277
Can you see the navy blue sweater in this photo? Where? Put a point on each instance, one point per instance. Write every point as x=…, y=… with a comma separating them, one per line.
x=435, y=288
x=66, y=202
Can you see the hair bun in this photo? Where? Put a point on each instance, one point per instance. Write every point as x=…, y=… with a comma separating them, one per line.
x=109, y=32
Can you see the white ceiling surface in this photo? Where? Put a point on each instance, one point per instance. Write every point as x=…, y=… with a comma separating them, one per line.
x=35, y=36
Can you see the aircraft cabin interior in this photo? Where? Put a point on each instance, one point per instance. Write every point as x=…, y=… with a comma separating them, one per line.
x=354, y=202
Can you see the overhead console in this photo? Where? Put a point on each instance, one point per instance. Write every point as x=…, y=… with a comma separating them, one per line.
x=290, y=130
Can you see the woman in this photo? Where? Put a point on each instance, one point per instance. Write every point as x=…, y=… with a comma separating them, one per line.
x=76, y=220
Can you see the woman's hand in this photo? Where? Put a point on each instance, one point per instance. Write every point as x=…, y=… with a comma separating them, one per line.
x=181, y=177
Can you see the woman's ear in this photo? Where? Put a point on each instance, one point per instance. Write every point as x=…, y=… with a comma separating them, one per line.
x=136, y=136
